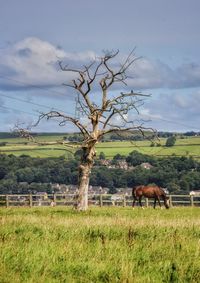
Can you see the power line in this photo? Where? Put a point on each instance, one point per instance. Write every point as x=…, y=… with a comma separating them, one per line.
x=48, y=107
x=33, y=103
x=76, y=107
x=35, y=86
x=170, y=121
x=31, y=85
x=18, y=110
x=14, y=109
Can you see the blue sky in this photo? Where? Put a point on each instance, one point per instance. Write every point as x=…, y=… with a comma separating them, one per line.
x=34, y=34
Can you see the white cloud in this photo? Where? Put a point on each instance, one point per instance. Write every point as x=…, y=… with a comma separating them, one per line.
x=35, y=62
x=189, y=75
x=180, y=101
x=149, y=74
x=173, y=110
x=3, y=109
x=147, y=114
x=1, y=101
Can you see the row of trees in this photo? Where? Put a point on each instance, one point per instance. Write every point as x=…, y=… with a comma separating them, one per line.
x=171, y=137
x=178, y=174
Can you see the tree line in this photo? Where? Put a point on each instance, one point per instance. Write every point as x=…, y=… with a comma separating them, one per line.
x=178, y=174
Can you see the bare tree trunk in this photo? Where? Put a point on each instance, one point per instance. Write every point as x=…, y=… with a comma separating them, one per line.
x=84, y=178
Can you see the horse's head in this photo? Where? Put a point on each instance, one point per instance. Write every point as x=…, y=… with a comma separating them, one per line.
x=167, y=202
x=165, y=190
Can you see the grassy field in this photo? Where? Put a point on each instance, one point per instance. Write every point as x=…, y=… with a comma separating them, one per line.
x=36, y=150
x=179, y=150
x=101, y=245
x=183, y=147
x=47, y=147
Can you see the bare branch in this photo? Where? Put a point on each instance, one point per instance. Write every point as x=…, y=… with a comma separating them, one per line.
x=64, y=119
x=130, y=94
x=83, y=107
x=66, y=69
x=139, y=128
x=23, y=132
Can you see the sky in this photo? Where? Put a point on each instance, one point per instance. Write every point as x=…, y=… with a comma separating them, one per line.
x=35, y=34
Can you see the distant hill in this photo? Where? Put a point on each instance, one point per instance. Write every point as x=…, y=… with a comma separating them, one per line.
x=136, y=135
x=6, y=135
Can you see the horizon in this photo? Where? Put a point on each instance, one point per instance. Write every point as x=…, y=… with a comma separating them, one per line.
x=79, y=133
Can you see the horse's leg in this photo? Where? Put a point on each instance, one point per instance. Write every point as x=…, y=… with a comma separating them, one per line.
x=154, y=205
x=159, y=201
x=140, y=201
x=134, y=200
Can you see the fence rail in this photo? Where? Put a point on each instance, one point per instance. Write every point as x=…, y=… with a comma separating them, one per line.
x=94, y=199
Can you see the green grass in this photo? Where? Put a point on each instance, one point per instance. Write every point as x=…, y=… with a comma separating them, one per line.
x=101, y=245
x=35, y=150
x=183, y=147
x=42, y=138
x=39, y=153
x=156, y=151
x=191, y=147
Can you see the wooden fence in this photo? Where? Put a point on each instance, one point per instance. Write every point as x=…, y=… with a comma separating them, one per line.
x=94, y=199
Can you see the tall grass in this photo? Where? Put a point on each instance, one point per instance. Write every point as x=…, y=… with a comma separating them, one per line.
x=100, y=245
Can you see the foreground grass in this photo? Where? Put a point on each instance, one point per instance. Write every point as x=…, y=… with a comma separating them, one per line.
x=100, y=245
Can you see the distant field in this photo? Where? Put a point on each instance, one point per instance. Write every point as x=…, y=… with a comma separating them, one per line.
x=39, y=153
x=36, y=138
x=47, y=147
x=101, y=245
x=183, y=147
x=186, y=150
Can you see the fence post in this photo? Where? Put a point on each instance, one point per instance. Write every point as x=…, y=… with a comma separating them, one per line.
x=170, y=201
x=30, y=200
x=147, y=202
x=7, y=201
x=124, y=200
x=54, y=198
x=192, y=200
x=101, y=200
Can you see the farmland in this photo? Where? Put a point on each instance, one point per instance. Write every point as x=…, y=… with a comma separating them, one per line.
x=51, y=146
x=42, y=146
x=101, y=245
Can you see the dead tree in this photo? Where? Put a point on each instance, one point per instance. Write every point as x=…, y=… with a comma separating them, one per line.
x=105, y=112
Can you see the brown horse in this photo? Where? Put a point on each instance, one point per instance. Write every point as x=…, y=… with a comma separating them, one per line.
x=154, y=192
